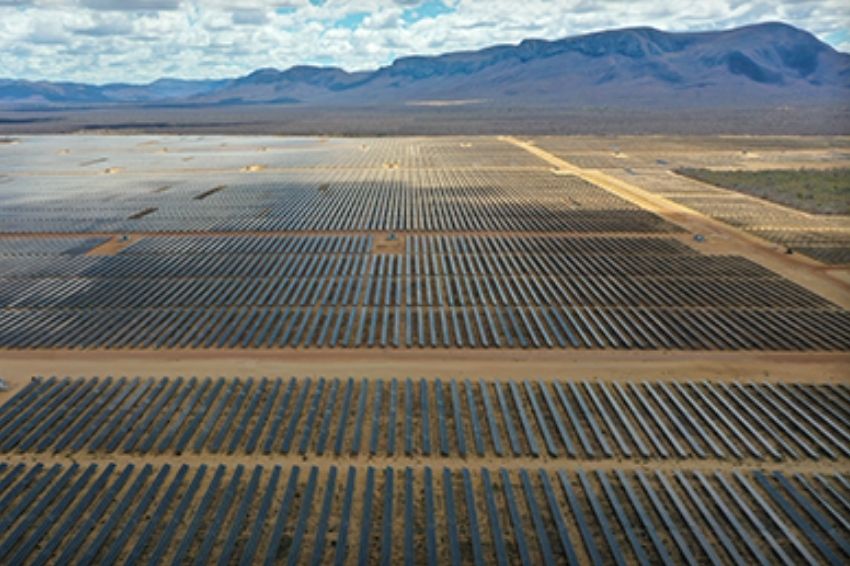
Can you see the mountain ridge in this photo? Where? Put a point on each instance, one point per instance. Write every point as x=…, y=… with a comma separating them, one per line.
x=769, y=63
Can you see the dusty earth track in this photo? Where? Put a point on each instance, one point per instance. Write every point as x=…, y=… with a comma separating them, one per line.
x=419, y=462
x=722, y=238
x=502, y=364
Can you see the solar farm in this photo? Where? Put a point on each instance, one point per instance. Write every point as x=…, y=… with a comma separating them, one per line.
x=465, y=350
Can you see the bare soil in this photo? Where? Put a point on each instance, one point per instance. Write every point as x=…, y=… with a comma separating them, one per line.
x=501, y=364
x=384, y=245
x=114, y=245
x=419, y=462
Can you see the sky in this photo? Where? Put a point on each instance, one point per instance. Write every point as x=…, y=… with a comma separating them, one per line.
x=137, y=41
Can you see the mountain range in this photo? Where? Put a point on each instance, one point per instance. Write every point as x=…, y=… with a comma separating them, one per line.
x=758, y=65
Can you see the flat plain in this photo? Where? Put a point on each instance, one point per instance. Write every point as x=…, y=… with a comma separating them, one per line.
x=504, y=349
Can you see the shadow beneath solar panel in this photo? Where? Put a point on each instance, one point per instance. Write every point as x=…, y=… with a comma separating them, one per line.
x=208, y=193
x=142, y=213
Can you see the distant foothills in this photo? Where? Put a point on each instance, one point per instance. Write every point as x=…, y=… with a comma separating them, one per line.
x=767, y=64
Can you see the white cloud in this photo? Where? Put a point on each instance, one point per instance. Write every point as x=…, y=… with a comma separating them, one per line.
x=141, y=40
x=249, y=16
x=101, y=26
x=131, y=5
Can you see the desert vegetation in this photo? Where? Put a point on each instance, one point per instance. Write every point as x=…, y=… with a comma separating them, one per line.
x=821, y=191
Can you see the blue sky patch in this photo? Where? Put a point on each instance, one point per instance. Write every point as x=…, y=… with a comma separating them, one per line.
x=838, y=37
x=351, y=21
x=428, y=9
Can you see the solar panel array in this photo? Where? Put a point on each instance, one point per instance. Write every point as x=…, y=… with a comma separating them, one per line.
x=393, y=243
x=471, y=501
x=388, y=243
x=223, y=514
x=490, y=186
x=432, y=291
x=440, y=418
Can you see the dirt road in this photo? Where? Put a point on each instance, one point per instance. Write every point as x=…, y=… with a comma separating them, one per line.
x=721, y=237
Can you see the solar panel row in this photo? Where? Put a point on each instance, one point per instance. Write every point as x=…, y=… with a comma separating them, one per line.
x=257, y=514
x=438, y=291
x=584, y=420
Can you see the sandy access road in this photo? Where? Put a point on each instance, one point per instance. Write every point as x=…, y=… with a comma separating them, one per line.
x=722, y=237
x=546, y=365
